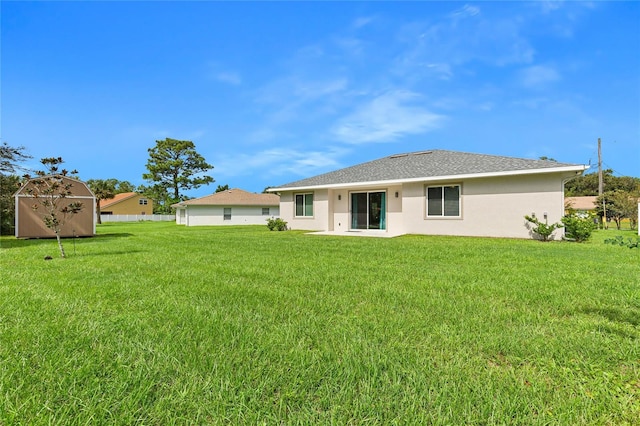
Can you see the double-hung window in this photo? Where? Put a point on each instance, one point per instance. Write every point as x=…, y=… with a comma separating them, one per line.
x=227, y=213
x=304, y=205
x=443, y=201
x=265, y=211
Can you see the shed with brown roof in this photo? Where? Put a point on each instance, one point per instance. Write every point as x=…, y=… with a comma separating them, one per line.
x=230, y=207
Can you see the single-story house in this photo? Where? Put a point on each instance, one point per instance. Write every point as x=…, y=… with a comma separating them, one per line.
x=583, y=204
x=127, y=203
x=29, y=222
x=434, y=192
x=230, y=207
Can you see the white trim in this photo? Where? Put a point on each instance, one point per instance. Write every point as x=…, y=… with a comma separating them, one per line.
x=45, y=196
x=579, y=168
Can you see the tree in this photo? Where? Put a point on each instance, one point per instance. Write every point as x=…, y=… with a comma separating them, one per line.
x=103, y=189
x=10, y=157
x=174, y=165
x=619, y=205
x=588, y=184
x=51, y=192
x=222, y=188
x=124, y=186
x=9, y=183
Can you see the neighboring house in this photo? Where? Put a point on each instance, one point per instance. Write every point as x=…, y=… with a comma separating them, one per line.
x=581, y=204
x=230, y=207
x=129, y=203
x=29, y=223
x=430, y=192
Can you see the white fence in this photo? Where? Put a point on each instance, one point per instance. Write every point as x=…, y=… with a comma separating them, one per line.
x=137, y=217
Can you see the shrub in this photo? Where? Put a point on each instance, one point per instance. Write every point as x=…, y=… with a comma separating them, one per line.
x=276, y=224
x=543, y=229
x=620, y=241
x=578, y=228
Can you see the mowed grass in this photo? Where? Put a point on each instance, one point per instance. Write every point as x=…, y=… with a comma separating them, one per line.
x=153, y=323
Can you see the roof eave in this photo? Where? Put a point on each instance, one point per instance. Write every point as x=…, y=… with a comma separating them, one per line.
x=579, y=169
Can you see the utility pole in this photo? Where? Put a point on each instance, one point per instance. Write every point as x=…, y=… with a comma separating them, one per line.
x=601, y=186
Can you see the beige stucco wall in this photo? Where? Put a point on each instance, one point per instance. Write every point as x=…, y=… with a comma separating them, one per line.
x=331, y=210
x=490, y=207
x=214, y=215
x=320, y=219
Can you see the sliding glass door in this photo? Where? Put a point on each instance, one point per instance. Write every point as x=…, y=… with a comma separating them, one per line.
x=368, y=210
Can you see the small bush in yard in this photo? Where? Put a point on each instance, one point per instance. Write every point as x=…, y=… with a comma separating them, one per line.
x=543, y=229
x=276, y=224
x=578, y=228
x=620, y=241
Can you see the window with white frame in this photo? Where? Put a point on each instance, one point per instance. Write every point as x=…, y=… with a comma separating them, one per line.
x=443, y=201
x=142, y=201
x=227, y=213
x=265, y=211
x=304, y=205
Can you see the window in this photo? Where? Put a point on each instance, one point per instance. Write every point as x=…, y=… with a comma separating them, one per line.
x=304, y=205
x=227, y=213
x=443, y=201
x=265, y=211
x=142, y=201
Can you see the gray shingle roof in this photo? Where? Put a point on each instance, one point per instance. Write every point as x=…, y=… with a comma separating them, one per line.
x=425, y=164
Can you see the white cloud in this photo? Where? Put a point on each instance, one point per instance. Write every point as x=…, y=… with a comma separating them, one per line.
x=458, y=40
x=361, y=22
x=538, y=76
x=550, y=5
x=443, y=70
x=280, y=161
x=386, y=118
x=229, y=77
x=465, y=11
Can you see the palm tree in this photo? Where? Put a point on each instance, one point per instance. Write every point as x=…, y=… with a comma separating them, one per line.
x=103, y=189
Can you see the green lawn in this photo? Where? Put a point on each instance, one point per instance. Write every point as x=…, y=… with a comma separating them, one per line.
x=152, y=323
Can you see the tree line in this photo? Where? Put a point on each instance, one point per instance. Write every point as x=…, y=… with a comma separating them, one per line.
x=619, y=199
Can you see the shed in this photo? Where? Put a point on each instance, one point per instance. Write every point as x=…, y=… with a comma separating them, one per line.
x=29, y=223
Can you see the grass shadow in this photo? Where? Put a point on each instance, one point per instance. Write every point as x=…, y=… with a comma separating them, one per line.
x=113, y=235
x=616, y=315
x=8, y=242
x=109, y=253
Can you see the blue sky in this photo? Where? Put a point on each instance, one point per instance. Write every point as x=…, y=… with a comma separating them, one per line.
x=272, y=92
